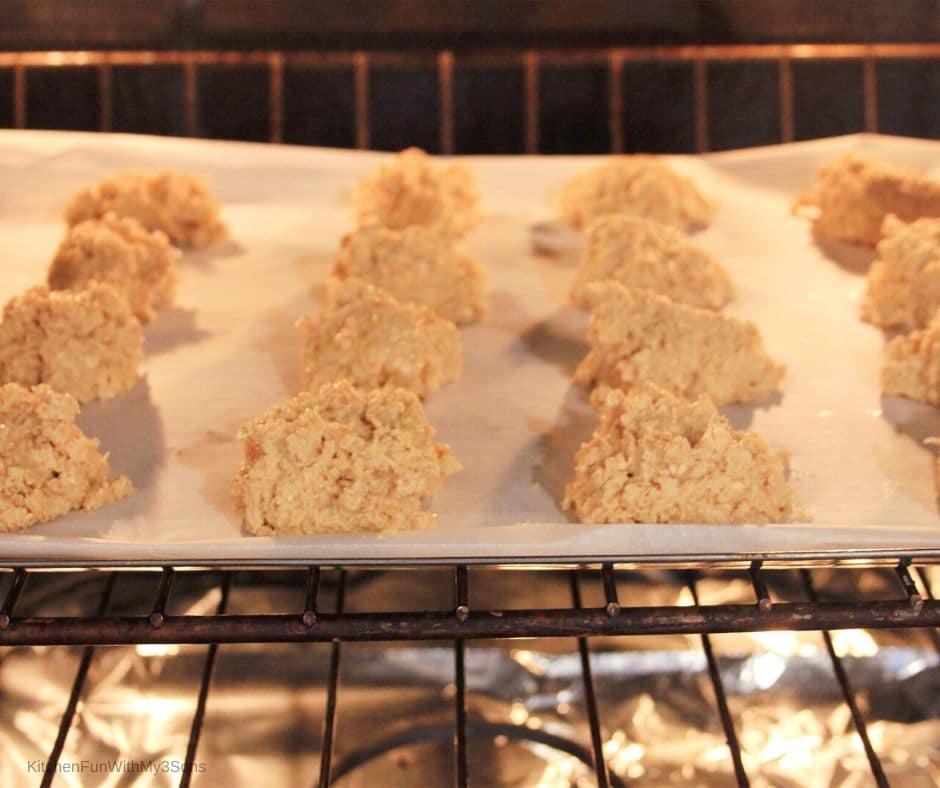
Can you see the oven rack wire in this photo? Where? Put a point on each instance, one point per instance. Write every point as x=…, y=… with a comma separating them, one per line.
x=913, y=606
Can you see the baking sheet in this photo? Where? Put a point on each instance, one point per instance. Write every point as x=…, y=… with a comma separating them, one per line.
x=229, y=350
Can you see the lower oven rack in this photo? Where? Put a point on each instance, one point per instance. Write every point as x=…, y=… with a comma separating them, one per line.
x=913, y=606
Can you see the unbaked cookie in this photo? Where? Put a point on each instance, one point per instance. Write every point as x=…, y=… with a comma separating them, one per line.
x=179, y=204
x=638, y=336
x=409, y=189
x=341, y=459
x=656, y=458
x=86, y=343
x=416, y=264
x=912, y=365
x=49, y=466
x=369, y=338
x=645, y=254
x=904, y=282
x=640, y=185
x=854, y=194
x=139, y=263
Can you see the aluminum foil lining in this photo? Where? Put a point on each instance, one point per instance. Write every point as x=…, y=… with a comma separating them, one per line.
x=527, y=722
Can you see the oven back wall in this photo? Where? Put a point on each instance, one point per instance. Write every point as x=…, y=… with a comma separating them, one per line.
x=480, y=76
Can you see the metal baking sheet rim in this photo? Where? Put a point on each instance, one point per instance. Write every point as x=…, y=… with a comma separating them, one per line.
x=821, y=558
x=781, y=542
x=303, y=551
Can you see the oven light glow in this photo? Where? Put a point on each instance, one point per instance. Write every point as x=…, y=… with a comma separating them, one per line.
x=632, y=752
x=67, y=58
x=717, y=754
x=622, y=756
x=839, y=720
x=563, y=772
x=531, y=662
x=800, y=755
x=915, y=666
x=854, y=643
x=158, y=709
x=614, y=744
x=795, y=750
x=518, y=714
x=765, y=669
x=785, y=644
x=876, y=735
x=157, y=649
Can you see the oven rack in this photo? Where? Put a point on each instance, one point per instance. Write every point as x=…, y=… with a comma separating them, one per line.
x=265, y=109
x=913, y=606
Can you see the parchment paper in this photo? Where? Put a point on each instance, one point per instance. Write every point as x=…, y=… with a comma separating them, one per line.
x=229, y=350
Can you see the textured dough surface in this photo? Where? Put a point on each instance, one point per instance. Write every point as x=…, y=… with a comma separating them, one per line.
x=638, y=336
x=139, y=263
x=341, y=459
x=855, y=194
x=409, y=189
x=47, y=465
x=179, y=204
x=370, y=339
x=655, y=458
x=86, y=343
x=640, y=185
x=416, y=265
x=904, y=281
x=912, y=365
x=648, y=255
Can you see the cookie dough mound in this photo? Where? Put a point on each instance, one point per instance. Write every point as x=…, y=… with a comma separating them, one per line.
x=372, y=340
x=410, y=190
x=340, y=459
x=639, y=185
x=638, y=336
x=645, y=254
x=86, y=343
x=416, y=265
x=655, y=458
x=179, y=204
x=854, y=195
x=912, y=365
x=49, y=466
x=138, y=263
x=904, y=282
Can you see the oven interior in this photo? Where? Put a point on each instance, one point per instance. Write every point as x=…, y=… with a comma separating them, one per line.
x=803, y=673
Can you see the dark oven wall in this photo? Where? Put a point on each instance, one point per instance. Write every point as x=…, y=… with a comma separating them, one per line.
x=475, y=76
